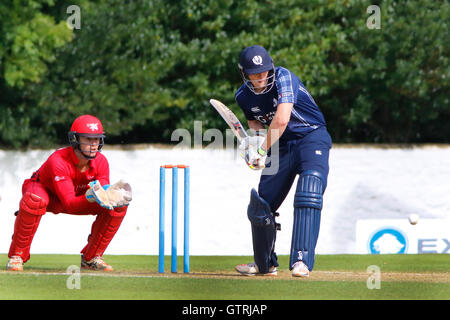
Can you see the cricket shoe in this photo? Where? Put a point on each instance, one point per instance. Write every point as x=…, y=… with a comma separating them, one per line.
x=299, y=269
x=96, y=264
x=15, y=263
x=251, y=269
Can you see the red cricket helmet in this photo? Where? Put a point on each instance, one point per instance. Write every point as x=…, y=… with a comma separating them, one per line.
x=86, y=126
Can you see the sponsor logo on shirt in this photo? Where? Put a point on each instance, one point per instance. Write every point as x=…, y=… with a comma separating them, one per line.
x=58, y=178
x=81, y=188
x=266, y=118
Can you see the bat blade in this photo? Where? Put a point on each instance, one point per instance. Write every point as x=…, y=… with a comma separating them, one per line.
x=230, y=118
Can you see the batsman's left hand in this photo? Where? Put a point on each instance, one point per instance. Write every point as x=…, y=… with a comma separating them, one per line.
x=256, y=159
x=252, y=153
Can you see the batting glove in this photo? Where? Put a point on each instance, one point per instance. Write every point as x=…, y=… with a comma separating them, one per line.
x=252, y=153
x=256, y=160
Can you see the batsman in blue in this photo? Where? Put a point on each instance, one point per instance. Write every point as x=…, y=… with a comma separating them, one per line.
x=290, y=140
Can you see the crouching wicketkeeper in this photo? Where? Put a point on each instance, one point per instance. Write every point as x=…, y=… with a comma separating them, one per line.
x=73, y=180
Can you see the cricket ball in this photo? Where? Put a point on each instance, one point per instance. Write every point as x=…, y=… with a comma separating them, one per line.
x=413, y=218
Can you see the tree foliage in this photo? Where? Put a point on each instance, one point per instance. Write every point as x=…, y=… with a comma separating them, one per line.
x=146, y=68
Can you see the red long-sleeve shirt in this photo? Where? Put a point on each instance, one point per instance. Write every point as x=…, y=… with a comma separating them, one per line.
x=64, y=182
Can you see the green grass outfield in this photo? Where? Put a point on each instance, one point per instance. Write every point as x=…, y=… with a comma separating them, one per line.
x=335, y=277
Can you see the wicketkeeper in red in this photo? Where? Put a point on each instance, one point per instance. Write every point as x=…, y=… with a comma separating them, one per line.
x=73, y=180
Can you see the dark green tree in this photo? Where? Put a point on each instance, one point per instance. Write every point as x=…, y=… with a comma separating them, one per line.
x=148, y=67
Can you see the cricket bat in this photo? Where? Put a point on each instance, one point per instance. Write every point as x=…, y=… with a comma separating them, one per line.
x=230, y=118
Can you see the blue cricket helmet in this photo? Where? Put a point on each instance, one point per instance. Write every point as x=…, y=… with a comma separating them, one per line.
x=255, y=59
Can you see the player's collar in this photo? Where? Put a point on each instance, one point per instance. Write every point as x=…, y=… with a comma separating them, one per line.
x=75, y=160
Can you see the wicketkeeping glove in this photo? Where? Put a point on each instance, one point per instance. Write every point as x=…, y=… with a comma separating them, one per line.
x=97, y=193
x=120, y=194
x=109, y=196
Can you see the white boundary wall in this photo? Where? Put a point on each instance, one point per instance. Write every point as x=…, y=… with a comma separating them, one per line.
x=364, y=183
